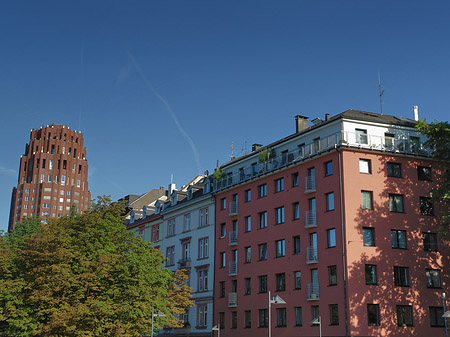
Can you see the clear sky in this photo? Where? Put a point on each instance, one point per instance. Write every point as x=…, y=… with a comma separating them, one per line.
x=165, y=87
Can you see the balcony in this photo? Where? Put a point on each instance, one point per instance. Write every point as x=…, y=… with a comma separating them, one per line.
x=232, y=268
x=184, y=263
x=232, y=300
x=310, y=184
x=232, y=238
x=233, y=208
x=310, y=219
x=313, y=291
x=335, y=140
x=311, y=255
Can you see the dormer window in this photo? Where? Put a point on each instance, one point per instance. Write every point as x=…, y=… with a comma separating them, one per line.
x=206, y=186
x=144, y=212
x=173, y=202
x=157, y=207
x=132, y=215
x=190, y=193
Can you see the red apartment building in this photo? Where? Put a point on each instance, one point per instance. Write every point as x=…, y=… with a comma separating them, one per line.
x=53, y=175
x=335, y=219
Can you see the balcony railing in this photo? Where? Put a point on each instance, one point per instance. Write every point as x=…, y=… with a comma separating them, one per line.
x=310, y=184
x=344, y=138
x=232, y=299
x=233, y=208
x=233, y=238
x=313, y=291
x=232, y=268
x=310, y=219
x=184, y=263
x=311, y=255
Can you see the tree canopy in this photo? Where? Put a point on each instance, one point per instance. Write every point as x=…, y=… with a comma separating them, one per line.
x=438, y=134
x=85, y=275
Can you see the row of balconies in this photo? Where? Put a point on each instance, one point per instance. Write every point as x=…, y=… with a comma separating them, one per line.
x=312, y=295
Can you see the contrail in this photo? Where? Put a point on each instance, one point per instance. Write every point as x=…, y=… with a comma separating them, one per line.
x=169, y=109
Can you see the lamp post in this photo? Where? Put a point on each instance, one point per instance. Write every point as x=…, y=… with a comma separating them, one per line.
x=445, y=315
x=216, y=328
x=275, y=300
x=318, y=321
x=159, y=314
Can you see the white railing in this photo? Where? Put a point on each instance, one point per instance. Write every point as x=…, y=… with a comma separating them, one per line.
x=233, y=238
x=310, y=184
x=310, y=218
x=313, y=291
x=232, y=268
x=233, y=208
x=232, y=299
x=311, y=255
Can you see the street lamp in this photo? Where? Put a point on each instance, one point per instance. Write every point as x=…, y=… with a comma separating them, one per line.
x=159, y=314
x=445, y=315
x=216, y=328
x=275, y=300
x=318, y=321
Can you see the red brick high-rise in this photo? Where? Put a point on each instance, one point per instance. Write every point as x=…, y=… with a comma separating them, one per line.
x=53, y=175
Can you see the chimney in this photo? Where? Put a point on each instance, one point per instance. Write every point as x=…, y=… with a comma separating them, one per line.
x=301, y=123
x=327, y=117
x=416, y=112
x=256, y=147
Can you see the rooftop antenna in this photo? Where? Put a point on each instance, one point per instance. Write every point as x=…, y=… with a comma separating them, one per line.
x=232, y=155
x=380, y=93
x=244, y=147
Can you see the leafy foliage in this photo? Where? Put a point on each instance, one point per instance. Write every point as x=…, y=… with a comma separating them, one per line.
x=84, y=275
x=438, y=134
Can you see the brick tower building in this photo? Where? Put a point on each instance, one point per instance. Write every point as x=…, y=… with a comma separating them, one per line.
x=53, y=175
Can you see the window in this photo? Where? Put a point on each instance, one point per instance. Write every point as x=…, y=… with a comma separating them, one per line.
x=401, y=276
x=263, y=318
x=426, y=206
x=364, y=166
x=433, y=278
x=170, y=256
x=222, y=289
x=328, y=166
x=361, y=136
x=223, y=203
x=373, y=314
x=187, y=222
x=398, y=238
x=396, y=203
x=223, y=260
x=332, y=275
x=334, y=314
x=404, y=315
x=262, y=191
x=280, y=280
x=170, y=227
x=430, y=243
x=248, y=195
x=248, y=319
x=315, y=314
x=279, y=215
x=298, y=316
x=281, y=317
x=331, y=237
x=248, y=286
x=369, y=236
x=262, y=251
x=295, y=180
x=203, y=244
x=222, y=320
x=371, y=274
x=424, y=173
x=394, y=170
x=204, y=217
x=223, y=230
x=436, y=318
x=262, y=220
x=296, y=211
x=248, y=254
x=186, y=249
x=298, y=279
x=202, y=315
x=280, y=248
x=233, y=319
x=329, y=201
x=262, y=283
x=248, y=223
x=202, y=277
x=366, y=200
x=296, y=240
x=279, y=185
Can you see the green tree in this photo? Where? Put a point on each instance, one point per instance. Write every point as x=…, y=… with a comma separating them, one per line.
x=438, y=134
x=84, y=275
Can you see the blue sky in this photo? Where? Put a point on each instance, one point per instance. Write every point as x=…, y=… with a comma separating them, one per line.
x=165, y=87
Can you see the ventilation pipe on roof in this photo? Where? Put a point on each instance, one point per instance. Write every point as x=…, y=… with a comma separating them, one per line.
x=327, y=117
x=416, y=112
x=301, y=123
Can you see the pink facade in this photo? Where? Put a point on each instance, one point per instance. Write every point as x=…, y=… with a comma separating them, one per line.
x=374, y=273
